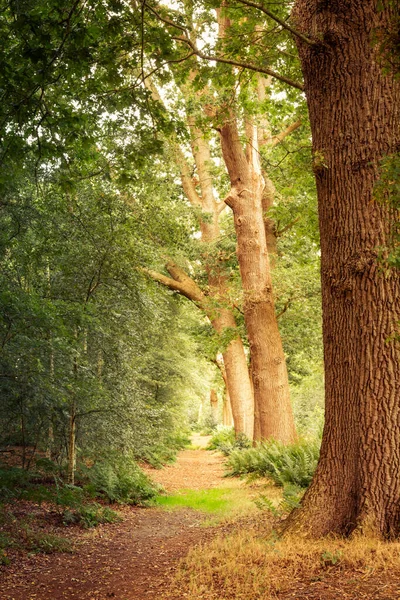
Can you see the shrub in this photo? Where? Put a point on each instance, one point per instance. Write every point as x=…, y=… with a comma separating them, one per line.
x=45, y=543
x=91, y=515
x=294, y=464
x=159, y=454
x=13, y=481
x=225, y=440
x=121, y=481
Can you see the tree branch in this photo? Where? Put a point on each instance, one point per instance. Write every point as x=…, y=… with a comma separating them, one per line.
x=187, y=181
x=277, y=139
x=243, y=65
x=287, y=227
x=185, y=38
x=285, y=307
x=178, y=282
x=278, y=20
x=221, y=207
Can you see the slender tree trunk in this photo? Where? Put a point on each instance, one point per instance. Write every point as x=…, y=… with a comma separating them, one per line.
x=222, y=319
x=271, y=386
x=355, y=120
x=227, y=416
x=72, y=422
x=227, y=413
x=237, y=378
x=50, y=435
x=23, y=432
x=214, y=405
x=72, y=445
x=236, y=370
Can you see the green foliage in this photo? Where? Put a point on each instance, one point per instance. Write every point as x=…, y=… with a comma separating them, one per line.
x=308, y=403
x=330, y=559
x=292, y=495
x=45, y=543
x=294, y=464
x=160, y=453
x=13, y=482
x=90, y=515
x=225, y=440
x=120, y=480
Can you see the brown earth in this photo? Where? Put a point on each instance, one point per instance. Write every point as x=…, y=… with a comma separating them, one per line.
x=131, y=560
x=137, y=558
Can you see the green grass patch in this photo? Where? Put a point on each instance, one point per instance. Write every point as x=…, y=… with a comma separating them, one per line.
x=208, y=501
x=221, y=504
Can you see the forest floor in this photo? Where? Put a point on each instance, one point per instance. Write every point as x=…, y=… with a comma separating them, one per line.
x=130, y=560
x=139, y=557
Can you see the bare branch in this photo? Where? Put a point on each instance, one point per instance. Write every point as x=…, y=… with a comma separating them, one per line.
x=165, y=20
x=221, y=207
x=186, y=178
x=178, y=282
x=185, y=38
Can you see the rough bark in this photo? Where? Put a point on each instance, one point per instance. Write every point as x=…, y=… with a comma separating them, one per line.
x=227, y=416
x=355, y=119
x=271, y=388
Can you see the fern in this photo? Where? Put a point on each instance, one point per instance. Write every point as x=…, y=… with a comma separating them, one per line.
x=284, y=465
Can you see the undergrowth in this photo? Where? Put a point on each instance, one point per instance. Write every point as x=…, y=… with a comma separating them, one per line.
x=294, y=464
x=226, y=441
x=254, y=564
x=31, y=502
x=119, y=480
x=159, y=454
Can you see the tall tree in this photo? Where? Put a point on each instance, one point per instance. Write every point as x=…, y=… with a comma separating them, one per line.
x=249, y=198
x=273, y=411
x=214, y=300
x=354, y=109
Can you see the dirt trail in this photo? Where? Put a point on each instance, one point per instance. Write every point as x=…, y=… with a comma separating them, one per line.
x=132, y=560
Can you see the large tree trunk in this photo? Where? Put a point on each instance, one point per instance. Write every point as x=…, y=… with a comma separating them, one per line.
x=216, y=304
x=354, y=113
x=271, y=388
x=237, y=373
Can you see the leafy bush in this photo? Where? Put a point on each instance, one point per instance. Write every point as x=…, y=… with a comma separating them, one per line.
x=90, y=515
x=45, y=543
x=13, y=482
x=165, y=451
x=121, y=481
x=293, y=464
x=225, y=440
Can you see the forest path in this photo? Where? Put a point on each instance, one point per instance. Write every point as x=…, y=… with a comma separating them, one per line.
x=131, y=560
